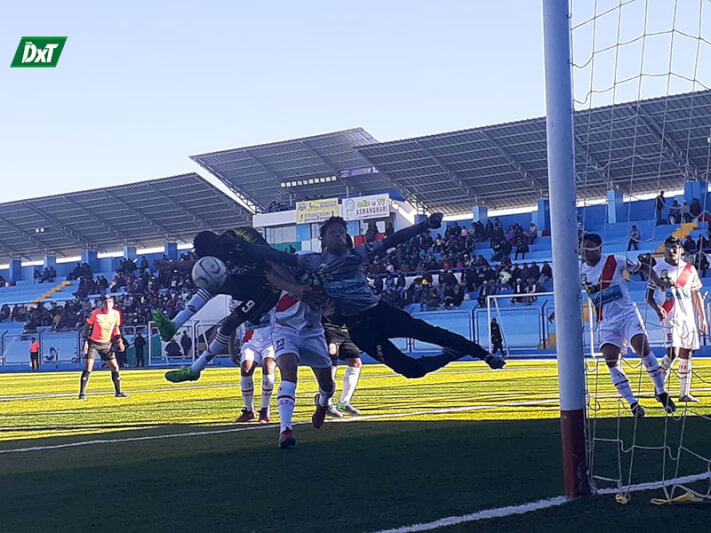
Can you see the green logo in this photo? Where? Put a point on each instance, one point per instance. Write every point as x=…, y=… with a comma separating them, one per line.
x=40, y=52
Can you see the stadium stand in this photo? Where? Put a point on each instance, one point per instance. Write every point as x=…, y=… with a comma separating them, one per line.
x=496, y=167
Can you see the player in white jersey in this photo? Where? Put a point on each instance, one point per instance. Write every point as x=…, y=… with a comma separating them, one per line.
x=678, y=307
x=618, y=320
x=256, y=350
x=298, y=339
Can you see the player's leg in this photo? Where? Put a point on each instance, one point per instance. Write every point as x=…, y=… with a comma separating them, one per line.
x=381, y=349
x=392, y=322
x=288, y=364
x=611, y=353
x=108, y=356
x=89, y=360
x=268, y=378
x=333, y=412
x=217, y=346
x=168, y=328
x=246, y=383
x=685, y=374
x=668, y=360
x=640, y=345
x=350, y=353
x=313, y=352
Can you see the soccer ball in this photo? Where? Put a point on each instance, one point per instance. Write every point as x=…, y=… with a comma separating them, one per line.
x=209, y=273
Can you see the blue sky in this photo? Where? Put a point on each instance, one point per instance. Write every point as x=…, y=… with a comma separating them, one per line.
x=142, y=85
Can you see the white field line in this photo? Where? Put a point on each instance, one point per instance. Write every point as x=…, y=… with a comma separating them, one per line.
x=497, y=512
x=501, y=512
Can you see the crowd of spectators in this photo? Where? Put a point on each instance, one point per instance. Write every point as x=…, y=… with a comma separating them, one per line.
x=448, y=271
x=138, y=292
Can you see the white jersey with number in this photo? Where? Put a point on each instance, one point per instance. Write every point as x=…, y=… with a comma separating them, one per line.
x=680, y=330
x=296, y=316
x=610, y=296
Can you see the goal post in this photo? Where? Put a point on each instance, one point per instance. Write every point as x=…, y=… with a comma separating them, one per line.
x=564, y=237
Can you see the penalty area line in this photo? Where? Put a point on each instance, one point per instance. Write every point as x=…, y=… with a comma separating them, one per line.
x=497, y=512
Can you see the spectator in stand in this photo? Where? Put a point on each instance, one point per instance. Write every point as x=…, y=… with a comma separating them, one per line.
x=2, y=282
x=704, y=242
x=172, y=349
x=685, y=213
x=504, y=279
x=143, y=266
x=689, y=246
x=389, y=230
x=371, y=232
x=659, y=205
x=674, y=213
x=497, y=341
x=139, y=343
x=453, y=296
x=519, y=288
x=186, y=343
x=695, y=208
x=497, y=225
x=701, y=261
x=532, y=232
x=521, y=246
x=635, y=238
x=36, y=276
x=546, y=274
x=487, y=289
x=4, y=312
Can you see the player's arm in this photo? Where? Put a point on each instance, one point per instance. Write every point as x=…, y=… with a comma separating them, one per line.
x=177, y=266
x=116, y=336
x=267, y=253
x=280, y=278
x=699, y=306
x=87, y=331
x=434, y=221
x=661, y=312
x=644, y=265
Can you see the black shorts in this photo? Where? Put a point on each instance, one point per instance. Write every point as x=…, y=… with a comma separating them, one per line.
x=338, y=335
x=104, y=349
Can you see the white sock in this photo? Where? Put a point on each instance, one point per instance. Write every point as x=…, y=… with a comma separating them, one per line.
x=247, y=385
x=196, y=303
x=286, y=400
x=334, y=369
x=667, y=363
x=216, y=347
x=325, y=396
x=684, y=377
x=350, y=382
x=652, y=367
x=267, y=390
x=622, y=384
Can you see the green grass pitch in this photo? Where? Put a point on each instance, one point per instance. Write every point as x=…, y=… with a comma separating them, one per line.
x=456, y=442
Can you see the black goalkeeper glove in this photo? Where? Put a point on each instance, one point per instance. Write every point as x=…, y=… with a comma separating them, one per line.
x=434, y=221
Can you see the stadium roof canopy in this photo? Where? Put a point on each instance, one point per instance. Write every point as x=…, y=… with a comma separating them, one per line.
x=314, y=166
x=144, y=214
x=638, y=147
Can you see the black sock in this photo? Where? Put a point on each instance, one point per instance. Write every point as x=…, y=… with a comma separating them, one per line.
x=116, y=378
x=84, y=380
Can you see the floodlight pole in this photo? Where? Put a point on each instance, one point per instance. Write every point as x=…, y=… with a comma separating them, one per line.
x=564, y=231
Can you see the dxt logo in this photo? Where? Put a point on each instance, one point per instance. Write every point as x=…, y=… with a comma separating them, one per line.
x=38, y=52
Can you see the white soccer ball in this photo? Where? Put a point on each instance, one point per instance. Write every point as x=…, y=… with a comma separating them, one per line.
x=209, y=273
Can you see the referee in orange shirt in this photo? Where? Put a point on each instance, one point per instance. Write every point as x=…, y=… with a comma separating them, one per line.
x=102, y=328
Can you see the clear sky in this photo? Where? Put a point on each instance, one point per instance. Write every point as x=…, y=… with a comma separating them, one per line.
x=141, y=85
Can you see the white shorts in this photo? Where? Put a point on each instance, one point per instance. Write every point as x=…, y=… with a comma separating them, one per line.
x=256, y=352
x=682, y=334
x=620, y=331
x=311, y=350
